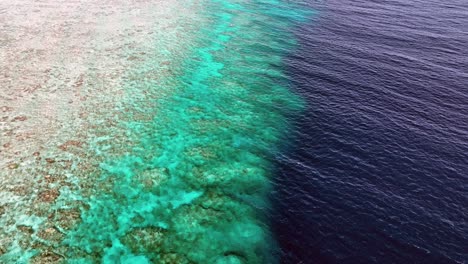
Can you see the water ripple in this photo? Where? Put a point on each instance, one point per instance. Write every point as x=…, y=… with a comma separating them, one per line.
x=378, y=174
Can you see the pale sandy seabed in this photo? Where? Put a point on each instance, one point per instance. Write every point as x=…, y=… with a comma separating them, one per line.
x=64, y=95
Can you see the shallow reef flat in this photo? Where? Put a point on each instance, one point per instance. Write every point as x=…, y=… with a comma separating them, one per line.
x=66, y=70
x=141, y=132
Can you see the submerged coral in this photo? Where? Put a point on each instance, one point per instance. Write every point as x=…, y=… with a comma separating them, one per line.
x=191, y=185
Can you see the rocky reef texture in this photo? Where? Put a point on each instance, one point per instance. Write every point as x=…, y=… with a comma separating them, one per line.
x=141, y=132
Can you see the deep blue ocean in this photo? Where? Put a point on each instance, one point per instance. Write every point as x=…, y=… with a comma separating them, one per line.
x=378, y=170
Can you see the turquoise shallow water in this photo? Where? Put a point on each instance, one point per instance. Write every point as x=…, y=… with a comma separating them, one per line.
x=194, y=189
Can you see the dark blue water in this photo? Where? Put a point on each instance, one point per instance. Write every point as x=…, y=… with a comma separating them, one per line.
x=379, y=170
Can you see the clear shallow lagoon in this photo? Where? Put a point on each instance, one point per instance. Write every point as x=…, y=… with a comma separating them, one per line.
x=164, y=157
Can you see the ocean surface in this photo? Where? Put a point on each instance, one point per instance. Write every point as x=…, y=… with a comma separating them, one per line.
x=233, y=131
x=378, y=170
